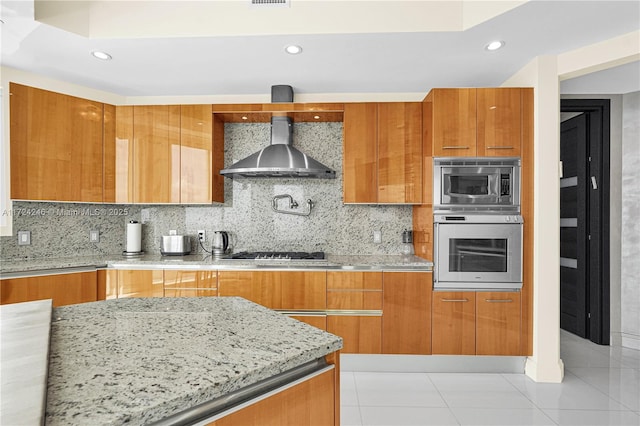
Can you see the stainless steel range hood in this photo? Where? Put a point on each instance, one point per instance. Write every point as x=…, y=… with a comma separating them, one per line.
x=280, y=159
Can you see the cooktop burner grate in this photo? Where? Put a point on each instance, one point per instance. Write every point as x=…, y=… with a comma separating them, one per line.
x=279, y=255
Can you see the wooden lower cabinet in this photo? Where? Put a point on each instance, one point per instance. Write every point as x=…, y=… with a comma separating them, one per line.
x=295, y=290
x=190, y=283
x=138, y=283
x=63, y=289
x=406, y=319
x=477, y=323
x=498, y=323
x=453, y=323
x=360, y=334
x=312, y=402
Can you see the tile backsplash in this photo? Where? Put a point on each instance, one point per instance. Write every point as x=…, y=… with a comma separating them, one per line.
x=246, y=213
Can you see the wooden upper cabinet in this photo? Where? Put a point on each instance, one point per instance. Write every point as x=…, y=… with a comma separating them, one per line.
x=454, y=122
x=360, y=153
x=400, y=153
x=166, y=154
x=453, y=323
x=382, y=153
x=499, y=122
x=498, y=323
x=406, y=319
x=196, y=154
x=119, y=158
x=156, y=153
x=56, y=146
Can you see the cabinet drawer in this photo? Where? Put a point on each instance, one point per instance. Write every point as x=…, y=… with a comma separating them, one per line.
x=63, y=289
x=190, y=283
x=354, y=280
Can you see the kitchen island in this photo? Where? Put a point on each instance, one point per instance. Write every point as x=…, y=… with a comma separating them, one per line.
x=147, y=360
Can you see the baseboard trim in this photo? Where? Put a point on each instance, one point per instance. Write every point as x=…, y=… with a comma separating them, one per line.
x=431, y=363
x=630, y=341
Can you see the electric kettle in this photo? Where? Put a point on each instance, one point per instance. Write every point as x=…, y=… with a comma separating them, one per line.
x=220, y=243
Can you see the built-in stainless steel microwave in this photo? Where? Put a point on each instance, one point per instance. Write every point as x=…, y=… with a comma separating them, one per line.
x=476, y=184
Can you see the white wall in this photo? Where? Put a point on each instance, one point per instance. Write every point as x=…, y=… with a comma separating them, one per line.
x=630, y=242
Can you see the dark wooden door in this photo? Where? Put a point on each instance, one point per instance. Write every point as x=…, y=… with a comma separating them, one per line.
x=584, y=219
x=574, y=291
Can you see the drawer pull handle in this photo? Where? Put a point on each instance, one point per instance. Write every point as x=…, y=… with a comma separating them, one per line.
x=455, y=300
x=455, y=147
x=499, y=147
x=498, y=300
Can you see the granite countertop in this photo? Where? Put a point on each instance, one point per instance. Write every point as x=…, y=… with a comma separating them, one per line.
x=199, y=261
x=137, y=361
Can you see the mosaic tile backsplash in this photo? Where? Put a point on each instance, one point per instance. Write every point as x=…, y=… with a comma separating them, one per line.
x=246, y=214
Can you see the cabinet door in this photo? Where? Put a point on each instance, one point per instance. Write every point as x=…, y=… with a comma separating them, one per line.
x=400, y=152
x=453, y=329
x=310, y=402
x=302, y=290
x=140, y=283
x=63, y=289
x=498, y=323
x=499, y=122
x=360, y=153
x=156, y=154
x=56, y=146
x=454, y=122
x=259, y=287
x=406, y=319
x=119, y=158
x=190, y=283
x=360, y=334
x=196, y=154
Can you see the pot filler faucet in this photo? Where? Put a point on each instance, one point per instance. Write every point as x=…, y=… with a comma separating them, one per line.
x=292, y=205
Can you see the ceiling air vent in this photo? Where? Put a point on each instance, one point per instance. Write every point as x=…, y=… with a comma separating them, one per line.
x=269, y=3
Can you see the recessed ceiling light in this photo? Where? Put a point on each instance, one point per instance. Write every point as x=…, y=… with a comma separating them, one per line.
x=494, y=45
x=101, y=55
x=293, y=49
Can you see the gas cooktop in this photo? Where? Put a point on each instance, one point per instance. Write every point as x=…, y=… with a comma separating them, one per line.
x=278, y=255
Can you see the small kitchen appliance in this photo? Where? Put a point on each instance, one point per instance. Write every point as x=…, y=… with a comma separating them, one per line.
x=407, y=242
x=175, y=245
x=476, y=184
x=220, y=243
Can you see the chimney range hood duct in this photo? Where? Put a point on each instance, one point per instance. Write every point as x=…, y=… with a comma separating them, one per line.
x=280, y=158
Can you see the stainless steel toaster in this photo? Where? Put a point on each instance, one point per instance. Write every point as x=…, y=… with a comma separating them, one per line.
x=175, y=245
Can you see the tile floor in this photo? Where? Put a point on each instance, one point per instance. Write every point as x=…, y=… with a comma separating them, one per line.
x=601, y=387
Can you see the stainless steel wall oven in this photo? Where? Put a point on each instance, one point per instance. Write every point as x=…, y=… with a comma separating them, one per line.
x=477, y=252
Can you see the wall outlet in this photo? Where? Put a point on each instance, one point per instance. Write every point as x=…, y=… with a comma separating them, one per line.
x=377, y=237
x=24, y=238
x=94, y=236
x=145, y=215
x=201, y=236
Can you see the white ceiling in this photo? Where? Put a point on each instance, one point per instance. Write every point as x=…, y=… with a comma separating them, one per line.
x=442, y=44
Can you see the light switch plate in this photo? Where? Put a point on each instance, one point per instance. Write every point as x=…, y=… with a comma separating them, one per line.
x=377, y=237
x=94, y=236
x=24, y=238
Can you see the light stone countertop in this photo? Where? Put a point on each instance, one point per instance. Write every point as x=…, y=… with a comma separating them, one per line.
x=137, y=361
x=17, y=268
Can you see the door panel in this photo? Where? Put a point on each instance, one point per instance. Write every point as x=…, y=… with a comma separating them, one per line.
x=573, y=248
x=453, y=323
